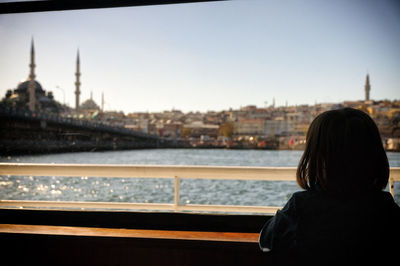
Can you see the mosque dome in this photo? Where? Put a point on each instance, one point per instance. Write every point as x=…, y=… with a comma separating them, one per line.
x=89, y=105
x=23, y=87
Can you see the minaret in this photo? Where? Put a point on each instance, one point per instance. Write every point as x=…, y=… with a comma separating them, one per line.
x=77, y=83
x=102, y=102
x=32, y=76
x=367, y=88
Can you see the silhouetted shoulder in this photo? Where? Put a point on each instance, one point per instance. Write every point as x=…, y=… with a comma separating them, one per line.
x=331, y=226
x=332, y=229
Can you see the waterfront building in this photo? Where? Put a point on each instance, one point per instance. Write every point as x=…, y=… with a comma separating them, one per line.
x=198, y=128
x=250, y=127
x=192, y=117
x=155, y=127
x=249, y=112
x=173, y=129
x=278, y=127
x=248, y=108
x=353, y=104
x=141, y=125
x=299, y=117
x=111, y=118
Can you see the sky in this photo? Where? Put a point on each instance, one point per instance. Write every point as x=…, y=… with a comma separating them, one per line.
x=209, y=56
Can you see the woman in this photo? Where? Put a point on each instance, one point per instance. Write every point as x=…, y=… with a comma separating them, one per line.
x=343, y=216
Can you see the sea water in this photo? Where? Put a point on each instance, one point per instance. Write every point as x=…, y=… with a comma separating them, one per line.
x=193, y=191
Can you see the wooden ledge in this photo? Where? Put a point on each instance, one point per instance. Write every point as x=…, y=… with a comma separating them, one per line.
x=128, y=233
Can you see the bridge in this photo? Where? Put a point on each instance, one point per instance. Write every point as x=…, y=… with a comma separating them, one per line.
x=26, y=132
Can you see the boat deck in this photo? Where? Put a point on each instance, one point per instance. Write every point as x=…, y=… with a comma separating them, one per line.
x=56, y=238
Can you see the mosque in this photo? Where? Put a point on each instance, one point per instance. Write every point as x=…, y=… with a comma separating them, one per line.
x=29, y=94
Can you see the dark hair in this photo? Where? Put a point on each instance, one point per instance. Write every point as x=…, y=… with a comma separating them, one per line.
x=343, y=154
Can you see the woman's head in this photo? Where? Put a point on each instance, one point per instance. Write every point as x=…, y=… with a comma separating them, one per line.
x=343, y=154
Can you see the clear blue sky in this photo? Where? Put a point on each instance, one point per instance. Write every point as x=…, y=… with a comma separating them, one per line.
x=210, y=56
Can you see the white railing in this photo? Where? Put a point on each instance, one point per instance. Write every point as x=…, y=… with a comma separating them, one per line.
x=149, y=171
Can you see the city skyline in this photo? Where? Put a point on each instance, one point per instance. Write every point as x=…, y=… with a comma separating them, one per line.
x=225, y=55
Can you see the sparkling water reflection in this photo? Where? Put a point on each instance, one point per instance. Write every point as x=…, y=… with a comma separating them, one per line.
x=237, y=192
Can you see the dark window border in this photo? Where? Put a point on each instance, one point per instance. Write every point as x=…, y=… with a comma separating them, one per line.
x=59, y=5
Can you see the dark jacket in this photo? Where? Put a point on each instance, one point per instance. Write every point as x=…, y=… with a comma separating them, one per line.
x=314, y=228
